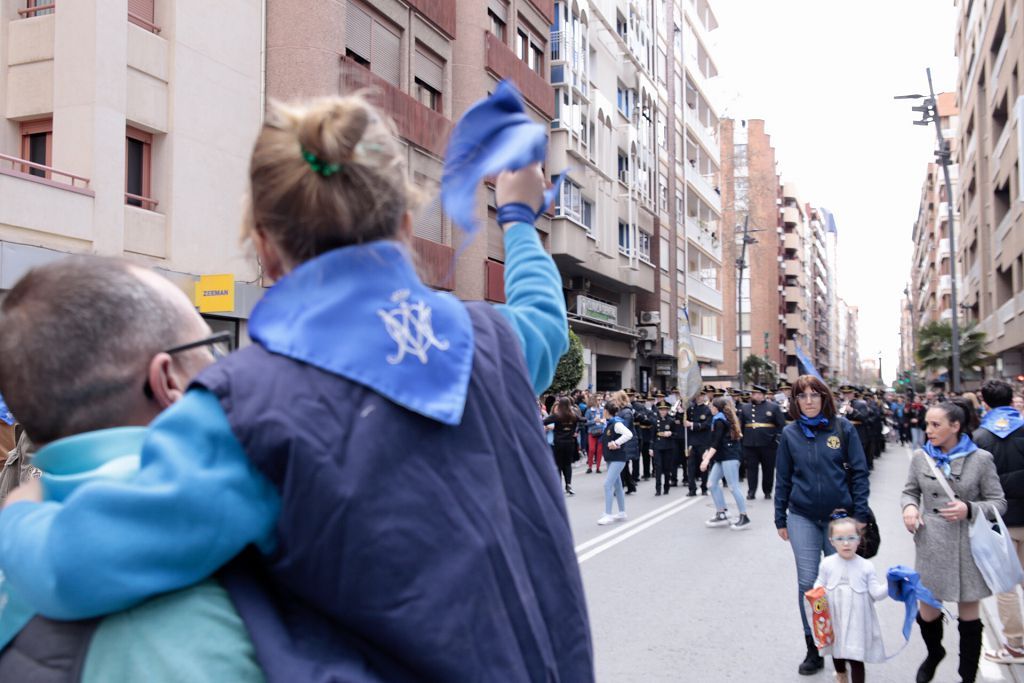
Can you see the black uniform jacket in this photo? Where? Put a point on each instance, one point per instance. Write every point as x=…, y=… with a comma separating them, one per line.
x=664, y=443
x=700, y=432
x=762, y=423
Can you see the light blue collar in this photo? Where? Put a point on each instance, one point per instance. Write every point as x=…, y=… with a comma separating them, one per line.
x=107, y=454
x=1002, y=421
x=362, y=313
x=962, y=449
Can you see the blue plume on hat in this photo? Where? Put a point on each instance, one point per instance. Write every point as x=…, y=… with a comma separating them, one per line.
x=494, y=135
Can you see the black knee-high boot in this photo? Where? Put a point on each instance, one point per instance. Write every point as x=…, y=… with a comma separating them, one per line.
x=813, y=662
x=970, y=649
x=931, y=633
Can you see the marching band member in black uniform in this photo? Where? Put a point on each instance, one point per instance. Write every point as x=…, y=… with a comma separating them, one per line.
x=762, y=422
x=855, y=409
x=664, y=449
x=698, y=425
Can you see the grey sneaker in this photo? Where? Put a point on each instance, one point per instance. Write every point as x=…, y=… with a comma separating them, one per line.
x=740, y=524
x=720, y=519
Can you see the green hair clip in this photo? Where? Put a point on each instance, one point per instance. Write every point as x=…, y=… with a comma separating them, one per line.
x=324, y=169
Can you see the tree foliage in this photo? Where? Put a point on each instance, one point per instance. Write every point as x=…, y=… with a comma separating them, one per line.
x=758, y=370
x=570, y=367
x=935, y=348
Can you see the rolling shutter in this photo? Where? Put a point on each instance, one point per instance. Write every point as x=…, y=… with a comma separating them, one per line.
x=429, y=70
x=358, y=29
x=386, y=61
x=140, y=8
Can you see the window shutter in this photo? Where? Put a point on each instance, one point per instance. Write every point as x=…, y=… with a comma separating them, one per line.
x=141, y=8
x=429, y=70
x=429, y=224
x=495, y=238
x=500, y=9
x=358, y=29
x=386, y=61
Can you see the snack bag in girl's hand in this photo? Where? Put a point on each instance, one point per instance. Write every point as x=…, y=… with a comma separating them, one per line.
x=819, y=617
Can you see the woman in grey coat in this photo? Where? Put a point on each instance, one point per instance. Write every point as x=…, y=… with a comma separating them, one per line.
x=941, y=527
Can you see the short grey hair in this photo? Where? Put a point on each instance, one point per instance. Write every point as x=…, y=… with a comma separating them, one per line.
x=76, y=337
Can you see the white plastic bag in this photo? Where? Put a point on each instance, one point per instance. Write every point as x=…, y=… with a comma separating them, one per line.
x=995, y=555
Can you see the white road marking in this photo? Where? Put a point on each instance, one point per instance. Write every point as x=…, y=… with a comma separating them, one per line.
x=637, y=529
x=619, y=528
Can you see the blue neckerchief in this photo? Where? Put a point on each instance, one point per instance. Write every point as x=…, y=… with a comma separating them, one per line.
x=494, y=135
x=67, y=464
x=361, y=312
x=962, y=449
x=718, y=417
x=905, y=586
x=1002, y=421
x=809, y=424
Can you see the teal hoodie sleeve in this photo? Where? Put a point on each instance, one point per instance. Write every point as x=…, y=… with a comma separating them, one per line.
x=534, y=304
x=195, y=503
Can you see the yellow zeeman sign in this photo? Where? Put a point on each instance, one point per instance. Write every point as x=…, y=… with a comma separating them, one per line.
x=215, y=293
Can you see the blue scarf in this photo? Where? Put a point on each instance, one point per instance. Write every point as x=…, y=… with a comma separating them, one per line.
x=362, y=313
x=905, y=586
x=494, y=135
x=962, y=449
x=1002, y=421
x=107, y=454
x=719, y=417
x=809, y=424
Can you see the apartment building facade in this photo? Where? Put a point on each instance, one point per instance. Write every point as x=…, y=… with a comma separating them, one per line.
x=990, y=248
x=111, y=144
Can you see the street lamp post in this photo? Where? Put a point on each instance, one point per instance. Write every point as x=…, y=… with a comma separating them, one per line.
x=930, y=114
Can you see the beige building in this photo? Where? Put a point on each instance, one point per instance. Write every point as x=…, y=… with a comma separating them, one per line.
x=127, y=129
x=990, y=248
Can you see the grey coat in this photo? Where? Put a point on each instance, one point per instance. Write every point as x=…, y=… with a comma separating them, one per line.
x=944, y=558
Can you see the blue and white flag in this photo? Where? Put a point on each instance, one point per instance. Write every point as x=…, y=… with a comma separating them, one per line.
x=808, y=366
x=689, y=379
x=5, y=413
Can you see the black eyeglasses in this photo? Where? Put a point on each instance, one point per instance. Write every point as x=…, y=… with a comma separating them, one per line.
x=221, y=344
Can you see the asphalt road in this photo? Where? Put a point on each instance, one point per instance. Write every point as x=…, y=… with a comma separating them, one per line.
x=673, y=600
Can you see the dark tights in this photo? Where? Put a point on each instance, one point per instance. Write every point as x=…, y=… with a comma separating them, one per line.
x=856, y=669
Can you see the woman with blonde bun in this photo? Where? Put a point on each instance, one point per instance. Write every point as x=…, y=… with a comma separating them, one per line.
x=393, y=528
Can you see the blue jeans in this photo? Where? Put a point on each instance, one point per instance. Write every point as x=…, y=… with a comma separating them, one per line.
x=731, y=470
x=613, y=483
x=809, y=540
x=916, y=437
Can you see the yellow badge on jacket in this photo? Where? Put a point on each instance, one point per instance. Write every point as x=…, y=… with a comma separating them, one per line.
x=833, y=442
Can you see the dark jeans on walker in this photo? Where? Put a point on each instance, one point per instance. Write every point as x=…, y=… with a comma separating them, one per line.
x=809, y=540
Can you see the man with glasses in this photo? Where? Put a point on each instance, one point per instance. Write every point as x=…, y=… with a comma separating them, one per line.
x=91, y=350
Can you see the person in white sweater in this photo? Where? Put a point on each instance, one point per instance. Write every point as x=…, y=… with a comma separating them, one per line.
x=616, y=436
x=852, y=587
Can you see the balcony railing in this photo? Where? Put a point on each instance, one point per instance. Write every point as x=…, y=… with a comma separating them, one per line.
x=504, y=63
x=441, y=12
x=143, y=22
x=34, y=9
x=147, y=203
x=21, y=168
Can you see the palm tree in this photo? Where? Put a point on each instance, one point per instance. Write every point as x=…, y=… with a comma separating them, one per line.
x=758, y=370
x=935, y=348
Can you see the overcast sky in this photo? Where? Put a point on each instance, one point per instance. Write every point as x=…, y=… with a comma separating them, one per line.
x=822, y=76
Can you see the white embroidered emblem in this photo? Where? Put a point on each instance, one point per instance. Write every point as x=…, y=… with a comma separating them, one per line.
x=410, y=326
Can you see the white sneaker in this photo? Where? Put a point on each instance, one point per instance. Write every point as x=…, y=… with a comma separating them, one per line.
x=620, y=516
x=605, y=519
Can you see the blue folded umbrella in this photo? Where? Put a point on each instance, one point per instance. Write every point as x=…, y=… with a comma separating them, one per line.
x=905, y=586
x=494, y=135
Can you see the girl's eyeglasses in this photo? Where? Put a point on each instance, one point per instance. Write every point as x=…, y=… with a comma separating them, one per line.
x=809, y=397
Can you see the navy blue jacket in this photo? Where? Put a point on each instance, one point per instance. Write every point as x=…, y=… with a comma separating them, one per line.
x=445, y=557
x=810, y=477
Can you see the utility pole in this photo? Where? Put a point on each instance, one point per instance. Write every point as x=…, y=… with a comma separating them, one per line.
x=741, y=264
x=930, y=114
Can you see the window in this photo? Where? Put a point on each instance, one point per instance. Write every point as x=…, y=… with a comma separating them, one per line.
x=662, y=192
x=374, y=43
x=522, y=46
x=572, y=204
x=643, y=245
x=621, y=27
x=138, y=164
x=663, y=252
x=497, y=17
x=624, y=100
x=37, y=145
x=429, y=81
x=624, y=240
x=623, y=167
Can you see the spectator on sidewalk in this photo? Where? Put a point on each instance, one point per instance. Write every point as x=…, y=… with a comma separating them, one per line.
x=594, y=418
x=941, y=528
x=1002, y=434
x=615, y=440
x=810, y=482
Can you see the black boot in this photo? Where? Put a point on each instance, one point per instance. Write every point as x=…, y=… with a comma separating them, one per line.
x=931, y=633
x=813, y=662
x=970, y=649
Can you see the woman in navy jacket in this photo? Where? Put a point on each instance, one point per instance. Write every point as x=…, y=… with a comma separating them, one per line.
x=811, y=481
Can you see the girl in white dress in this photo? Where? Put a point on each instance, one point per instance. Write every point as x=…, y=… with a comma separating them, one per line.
x=852, y=588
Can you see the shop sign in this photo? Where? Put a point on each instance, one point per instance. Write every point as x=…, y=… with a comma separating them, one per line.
x=663, y=367
x=597, y=310
x=215, y=293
